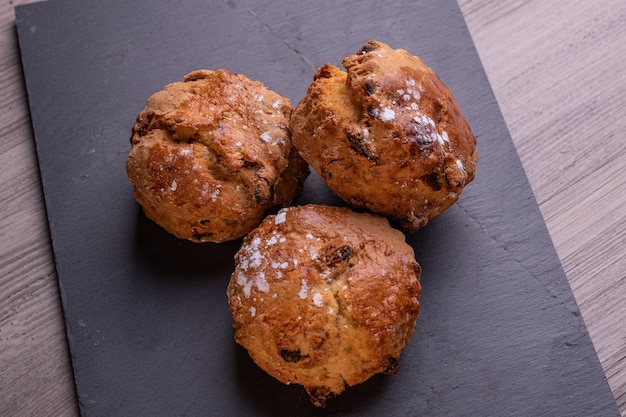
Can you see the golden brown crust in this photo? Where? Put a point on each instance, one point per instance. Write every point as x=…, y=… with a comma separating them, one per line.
x=387, y=135
x=324, y=297
x=212, y=155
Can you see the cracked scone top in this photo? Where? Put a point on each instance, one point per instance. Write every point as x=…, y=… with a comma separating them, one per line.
x=324, y=297
x=212, y=155
x=386, y=135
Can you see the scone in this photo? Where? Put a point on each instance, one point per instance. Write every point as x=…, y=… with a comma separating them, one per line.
x=324, y=297
x=212, y=155
x=386, y=135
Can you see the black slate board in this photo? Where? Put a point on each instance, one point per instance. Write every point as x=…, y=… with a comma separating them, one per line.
x=149, y=330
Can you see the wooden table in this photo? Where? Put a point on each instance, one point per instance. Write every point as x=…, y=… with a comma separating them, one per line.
x=558, y=70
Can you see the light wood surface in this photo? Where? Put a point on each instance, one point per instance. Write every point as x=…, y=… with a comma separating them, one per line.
x=558, y=70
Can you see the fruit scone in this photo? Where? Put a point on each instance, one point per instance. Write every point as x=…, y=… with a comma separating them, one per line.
x=212, y=155
x=324, y=297
x=386, y=135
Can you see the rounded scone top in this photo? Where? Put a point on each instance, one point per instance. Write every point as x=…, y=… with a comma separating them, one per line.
x=212, y=155
x=387, y=135
x=324, y=297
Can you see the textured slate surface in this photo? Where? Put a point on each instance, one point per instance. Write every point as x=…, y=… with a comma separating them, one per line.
x=149, y=329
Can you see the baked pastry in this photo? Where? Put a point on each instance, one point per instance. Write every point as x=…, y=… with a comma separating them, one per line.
x=386, y=135
x=212, y=155
x=324, y=297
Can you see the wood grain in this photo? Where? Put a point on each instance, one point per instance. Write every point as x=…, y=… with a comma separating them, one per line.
x=35, y=372
x=558, y=70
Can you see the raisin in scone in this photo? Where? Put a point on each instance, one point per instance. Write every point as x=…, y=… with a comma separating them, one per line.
x=386, y=135
x=324, y=297
x=212, y=155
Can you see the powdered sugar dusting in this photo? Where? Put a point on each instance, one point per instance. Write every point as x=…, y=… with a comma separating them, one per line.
x=281, y=216
x=428, y=131
x=246, y=284
x=261, y=282
x=424, y=121
x=257, y=281
x=266, y=137
x=253, y=264
x=205, y=189
x=304, y=290
x=274, y=239
x=387, y=114
x=280, y=265
x=251, y=258
x=318, y=300
x=413, y=91
x=215, y=194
